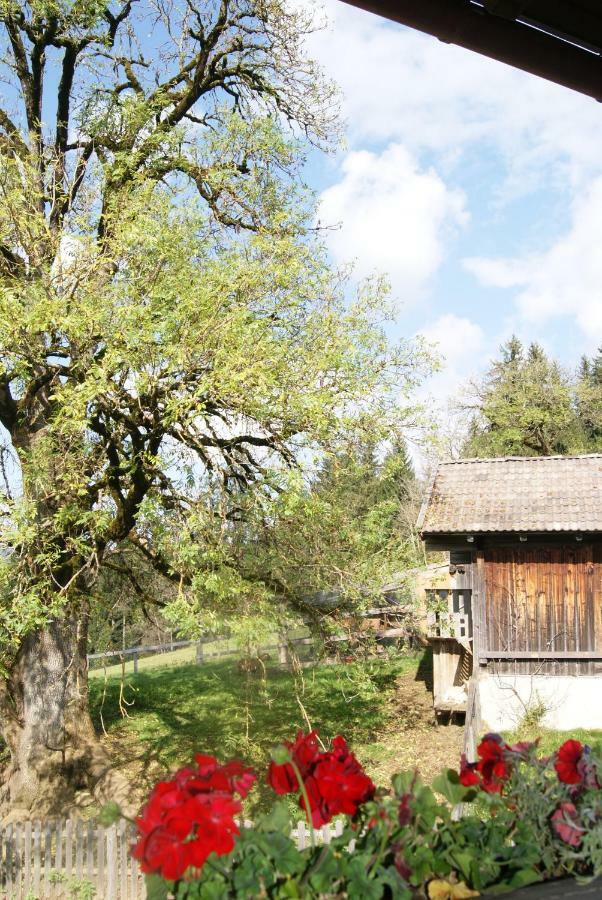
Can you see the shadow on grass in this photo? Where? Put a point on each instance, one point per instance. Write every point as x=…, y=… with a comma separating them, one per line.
x=216, y=709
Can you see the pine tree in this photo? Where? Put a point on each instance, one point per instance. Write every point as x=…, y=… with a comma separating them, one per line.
x=525, y=405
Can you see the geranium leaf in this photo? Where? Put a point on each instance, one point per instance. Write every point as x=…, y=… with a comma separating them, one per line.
x=278, y=819
x=157, y=888
x=448, y=784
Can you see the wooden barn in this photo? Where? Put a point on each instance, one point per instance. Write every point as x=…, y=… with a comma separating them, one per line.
x=520, y=631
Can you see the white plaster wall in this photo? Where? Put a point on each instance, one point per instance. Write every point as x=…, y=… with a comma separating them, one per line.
x=570, y=702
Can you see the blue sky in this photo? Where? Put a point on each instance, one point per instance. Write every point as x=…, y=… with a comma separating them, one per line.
x=477, y=187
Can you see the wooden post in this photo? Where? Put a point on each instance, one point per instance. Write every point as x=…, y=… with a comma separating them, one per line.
x=100, y=865
x=111, y=892
x=68, y=848
x=283, y=655
x=123, y=858
x=27, y=857
x=47, y=857
x=18, y=848
x=200, y=653
x=37, y=857
x=133, y=867
x=479, y=610
x=135, y=655
x=9, y=859
x=59, y=847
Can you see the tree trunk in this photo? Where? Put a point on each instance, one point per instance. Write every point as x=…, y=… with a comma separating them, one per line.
x=47, y=727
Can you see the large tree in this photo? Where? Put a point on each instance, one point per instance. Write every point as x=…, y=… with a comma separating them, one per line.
x=171, y=339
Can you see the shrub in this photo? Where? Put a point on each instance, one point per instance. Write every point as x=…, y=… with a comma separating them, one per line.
x=526, y=818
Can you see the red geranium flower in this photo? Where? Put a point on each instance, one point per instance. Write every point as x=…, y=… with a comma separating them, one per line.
x=282, y=778
x=333, y=780
x=341, y=782
x=468, y=773
x=191, y=816
x=492, y=768
x=493, y=764
x=230, y=778
x=304, y=750
x=567, y=824
x=567, y=762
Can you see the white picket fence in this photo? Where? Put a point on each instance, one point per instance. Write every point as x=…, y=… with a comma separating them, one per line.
x=73, y=858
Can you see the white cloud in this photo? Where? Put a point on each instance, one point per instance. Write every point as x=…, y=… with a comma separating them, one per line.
x=400, y=85
x=457, y=338
x=462, y=347
x=394, y=218
x=564, y=280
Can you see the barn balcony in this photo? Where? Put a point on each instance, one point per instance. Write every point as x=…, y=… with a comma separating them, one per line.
x=449, y=615
x=449, y=632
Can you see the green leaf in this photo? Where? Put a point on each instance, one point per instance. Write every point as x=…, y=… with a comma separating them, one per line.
x=278, y=819
x=157, y=888
x=110, y=813
x=448, y=784
x=463, y=860
x=522, y=878
x=404, y=782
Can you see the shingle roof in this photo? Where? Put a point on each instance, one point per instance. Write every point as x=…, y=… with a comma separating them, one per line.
x=526, y=494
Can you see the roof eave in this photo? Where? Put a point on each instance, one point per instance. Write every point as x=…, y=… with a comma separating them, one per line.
x=511, y=42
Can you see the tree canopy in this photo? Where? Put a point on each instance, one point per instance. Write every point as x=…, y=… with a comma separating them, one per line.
x=174, y=346
x=529, y=405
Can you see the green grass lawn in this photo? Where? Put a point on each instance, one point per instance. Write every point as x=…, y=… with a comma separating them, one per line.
x=550, y=740
x=173, y=712
x=179, y=657
x=184, y=655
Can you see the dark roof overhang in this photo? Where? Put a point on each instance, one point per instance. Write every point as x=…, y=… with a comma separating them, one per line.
x=560, y=40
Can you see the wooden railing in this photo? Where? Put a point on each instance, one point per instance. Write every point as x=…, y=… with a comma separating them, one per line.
x=448, y=625
x=449, y=613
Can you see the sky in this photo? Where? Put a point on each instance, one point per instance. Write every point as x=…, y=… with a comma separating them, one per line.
x=476, y=187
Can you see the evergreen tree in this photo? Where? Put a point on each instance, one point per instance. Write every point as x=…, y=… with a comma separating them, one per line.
x=589, y=400
x=525, y=405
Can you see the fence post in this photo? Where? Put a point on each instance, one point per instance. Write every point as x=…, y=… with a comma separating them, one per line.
x=27, y=843
x=199, y=653
x=100, y=864
x=111, y=893
x=135, y=655
x=8, y=843
x=37, y=857
x=283, y=656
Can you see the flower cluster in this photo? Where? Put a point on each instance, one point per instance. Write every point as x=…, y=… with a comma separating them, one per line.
x=573, y=767
x=332, y=780
x=191, y=816
x=492, y=768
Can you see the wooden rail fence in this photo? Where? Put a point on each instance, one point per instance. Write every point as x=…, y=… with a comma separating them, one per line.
x=389, y=615
x=60, y=860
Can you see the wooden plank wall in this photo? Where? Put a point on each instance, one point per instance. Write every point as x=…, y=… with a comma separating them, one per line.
x=544, y=598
